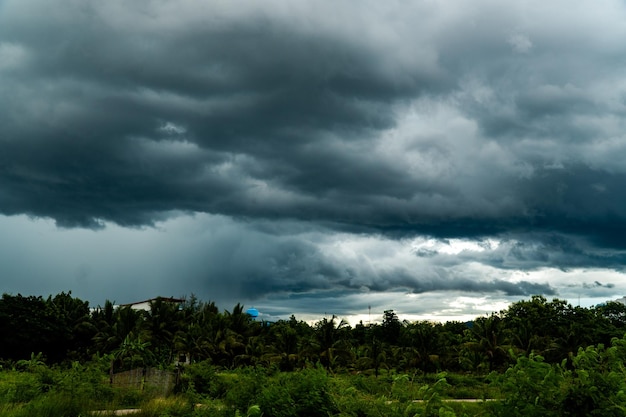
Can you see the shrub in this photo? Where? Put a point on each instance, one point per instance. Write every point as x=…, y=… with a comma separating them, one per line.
x=200, y=378
x=302, y=393
x=242, y=388
x=127, y=397
x=594, y=386
x=19, y=387
x=52, y=405
x=371, y=384
x=531, y=387
x=597, y=386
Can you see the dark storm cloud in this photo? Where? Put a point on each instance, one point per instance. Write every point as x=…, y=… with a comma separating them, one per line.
x=417, y=284
x=253, y=94
x=279, y=121
x=388, y=120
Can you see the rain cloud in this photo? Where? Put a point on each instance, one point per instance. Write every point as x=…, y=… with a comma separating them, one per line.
x=328, y=143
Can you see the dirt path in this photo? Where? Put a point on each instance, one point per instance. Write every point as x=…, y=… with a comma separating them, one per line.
x=460, y=400
x=116, y=412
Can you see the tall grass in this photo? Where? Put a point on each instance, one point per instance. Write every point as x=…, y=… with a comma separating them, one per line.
x=78, y=390
x=49, y=405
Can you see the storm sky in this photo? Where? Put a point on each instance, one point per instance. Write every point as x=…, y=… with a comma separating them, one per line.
x=441, y=159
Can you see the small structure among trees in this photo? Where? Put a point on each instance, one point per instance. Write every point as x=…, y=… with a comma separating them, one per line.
x=145, y=305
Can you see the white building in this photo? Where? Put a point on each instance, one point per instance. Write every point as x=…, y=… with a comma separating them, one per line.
x=145, y=305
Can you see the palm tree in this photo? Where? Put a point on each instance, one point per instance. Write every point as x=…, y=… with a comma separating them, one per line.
x=333, y=341
x=114, y=325
x=373, y=356
x=160, y=326
x=422, y=341
x=73, y=326
x=488, y=337
x=104, y=319
x=281, y=346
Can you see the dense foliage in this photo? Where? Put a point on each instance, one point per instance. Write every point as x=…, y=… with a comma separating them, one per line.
x=63, y=328
x=537, y=357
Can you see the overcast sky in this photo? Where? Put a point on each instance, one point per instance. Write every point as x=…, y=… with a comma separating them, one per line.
x=441, y=159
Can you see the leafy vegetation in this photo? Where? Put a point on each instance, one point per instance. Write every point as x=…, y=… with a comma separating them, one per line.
x=538, y=357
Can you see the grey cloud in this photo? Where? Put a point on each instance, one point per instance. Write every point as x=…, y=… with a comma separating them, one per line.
x=446, y=281
x=597, y=284
x=295, y=268
x=268, y=94
x=235, y=260
x=531, y=252
x=277, y=109
x=318, y=117
x=550, y=100
x=595, y=289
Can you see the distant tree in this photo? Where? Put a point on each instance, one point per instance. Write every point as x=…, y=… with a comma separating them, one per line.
x=609, y=321
x=391, y=327
x=25, y=327
x=553, y=329
x=451, y=336
x=72, y=327
x=104, y=320
x=375, y=356
x=114, y=325
x=59, y=327
x=160, y=324
x=333, y=341
x=488, y=338
x=422, y=345
x=282, y=345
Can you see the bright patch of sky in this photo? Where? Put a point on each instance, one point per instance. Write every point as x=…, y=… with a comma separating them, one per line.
x=453, y=246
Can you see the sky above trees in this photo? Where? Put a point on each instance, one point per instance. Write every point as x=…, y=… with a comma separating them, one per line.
x=314, y=157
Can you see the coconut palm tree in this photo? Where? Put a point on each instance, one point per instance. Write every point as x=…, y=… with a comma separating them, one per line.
x=160, y=324
x=334, y=346
x=488, y=337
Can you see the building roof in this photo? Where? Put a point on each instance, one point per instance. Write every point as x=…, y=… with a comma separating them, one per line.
x=148, y=301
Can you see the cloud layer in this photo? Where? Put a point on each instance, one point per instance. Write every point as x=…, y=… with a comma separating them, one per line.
x=391, y=122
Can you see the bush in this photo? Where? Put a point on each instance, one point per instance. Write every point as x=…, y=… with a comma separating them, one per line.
x=200, y=378
x=597, y=386
x=242, y=388
x=531, y=387
x=594, y=386
x=371, y=384
x=51, y=405
x=302, y=393
x=127, y=397
x=19, y=387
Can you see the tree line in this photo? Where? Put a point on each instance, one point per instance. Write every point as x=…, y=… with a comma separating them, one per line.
x=63, y=328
